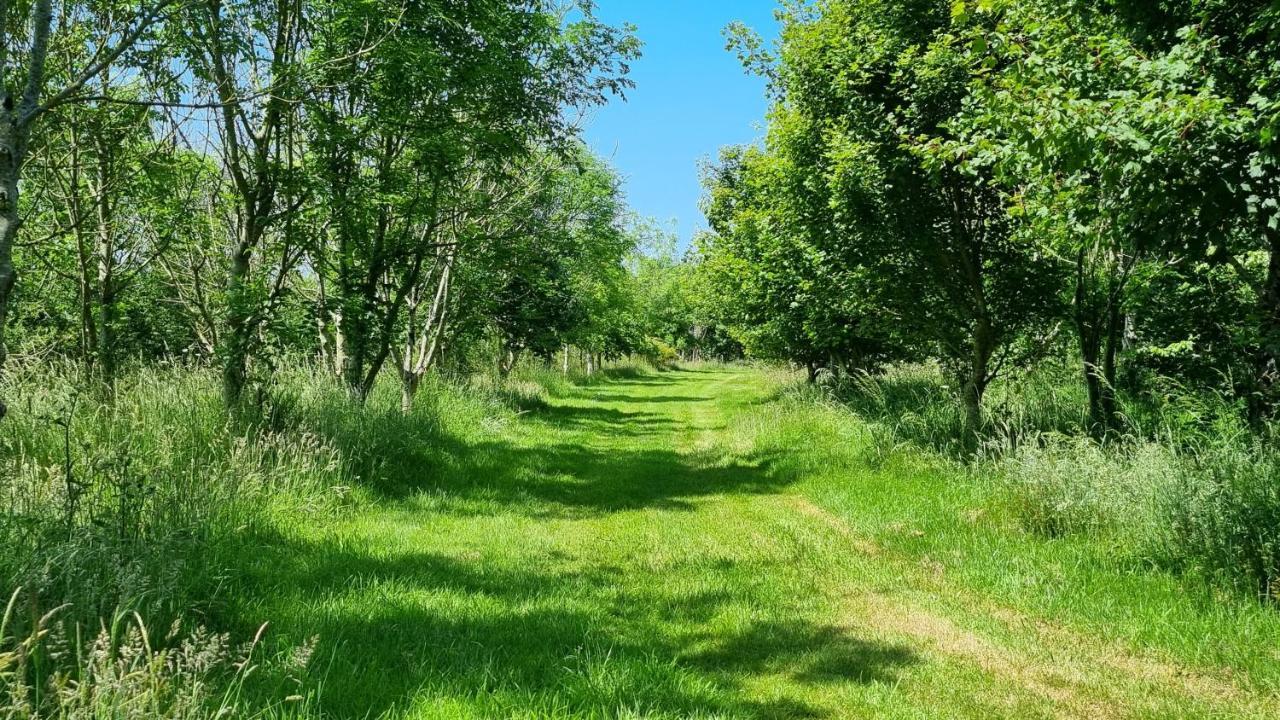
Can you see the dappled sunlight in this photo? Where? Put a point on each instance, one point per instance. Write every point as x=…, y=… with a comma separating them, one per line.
x=516, y=570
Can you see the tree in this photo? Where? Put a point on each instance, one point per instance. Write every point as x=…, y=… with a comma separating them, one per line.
x=865, y=93
x=398, y=112
x=246, y=55
x=35, y=83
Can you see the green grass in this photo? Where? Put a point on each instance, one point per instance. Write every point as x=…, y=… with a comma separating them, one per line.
x=690, y=545
x=702, y=543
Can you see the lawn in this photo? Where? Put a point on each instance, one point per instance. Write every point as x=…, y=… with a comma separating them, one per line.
x=698, y=544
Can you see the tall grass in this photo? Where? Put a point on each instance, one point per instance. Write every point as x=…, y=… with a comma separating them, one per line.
x=1187, y=486
x=50, y=670
x=132, y=508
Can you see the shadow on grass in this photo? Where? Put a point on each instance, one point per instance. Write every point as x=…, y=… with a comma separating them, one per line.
x=397, y=457
x=810, y=653
x=574, y=636
x=650, y=399
x=503, y=637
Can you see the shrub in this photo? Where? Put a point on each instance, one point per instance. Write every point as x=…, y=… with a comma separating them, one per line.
x=660, y=355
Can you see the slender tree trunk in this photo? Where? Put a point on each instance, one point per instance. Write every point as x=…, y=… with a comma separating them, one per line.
x=1100, y=330
x=409, y=382
x=238, y=337
x=1095, y=320
x=8, y=276
x=1098, y=350
x=12, y=152
x=508, y=356
x=106, y=278
x=1268, y=362
x=355, y=339
x=88, y=321
x=978, y=374
x=1112, y=339
x=16, y=116
x=89, y=344
x=1090, y=357
x=566, y=360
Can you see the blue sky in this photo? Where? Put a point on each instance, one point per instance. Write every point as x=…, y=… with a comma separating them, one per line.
x=691, y=97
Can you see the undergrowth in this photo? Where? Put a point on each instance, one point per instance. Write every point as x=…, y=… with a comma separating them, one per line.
x=1186, y=485
x=131, y=507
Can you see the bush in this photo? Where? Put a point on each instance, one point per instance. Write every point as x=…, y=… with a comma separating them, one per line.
x=660, y=355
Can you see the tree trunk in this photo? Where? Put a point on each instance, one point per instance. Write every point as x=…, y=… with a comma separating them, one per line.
x=983, y=346
x=238, y=338
x=566, y=360
x=1099, y=339
x=12, y=151
x=1112, y=338
x=812, y=369
x=106, y=279
x=1099, y=325
x=507, y=358
x=1268, y=363
x=8, y=276
x=355, y=339
x=409, y=382
x=15, y=129
x=1090, y=357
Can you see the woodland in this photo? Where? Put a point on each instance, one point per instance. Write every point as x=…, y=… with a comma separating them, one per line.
x=339, y=379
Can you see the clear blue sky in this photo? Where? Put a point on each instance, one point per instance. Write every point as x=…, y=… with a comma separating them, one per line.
x=691, y=97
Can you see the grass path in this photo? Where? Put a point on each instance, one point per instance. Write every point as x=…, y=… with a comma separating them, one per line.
x=633, y=551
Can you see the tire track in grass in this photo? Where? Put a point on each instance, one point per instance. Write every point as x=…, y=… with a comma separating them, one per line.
x=1078, y=676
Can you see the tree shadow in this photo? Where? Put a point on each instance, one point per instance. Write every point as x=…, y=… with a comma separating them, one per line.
x=648, y=399
x=389, y=628
x=571, y=633
x=629, y=380
x=396, y=457
x=813, y=654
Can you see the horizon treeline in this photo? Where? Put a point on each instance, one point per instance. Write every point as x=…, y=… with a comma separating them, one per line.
x=376, y=184
x=993, y=185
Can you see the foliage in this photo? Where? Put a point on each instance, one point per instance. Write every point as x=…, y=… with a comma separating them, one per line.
x=973, y=182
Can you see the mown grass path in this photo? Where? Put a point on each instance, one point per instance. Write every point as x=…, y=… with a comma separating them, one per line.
x=631, y=551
